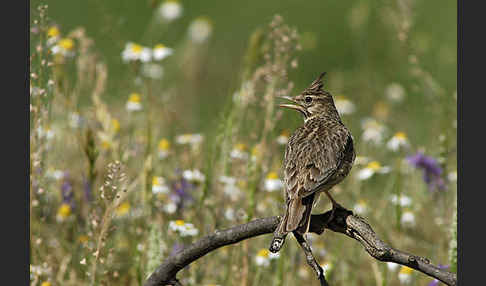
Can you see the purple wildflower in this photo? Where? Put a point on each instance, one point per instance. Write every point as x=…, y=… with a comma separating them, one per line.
x=431, y=170
x=67, y=192
x=180, y=192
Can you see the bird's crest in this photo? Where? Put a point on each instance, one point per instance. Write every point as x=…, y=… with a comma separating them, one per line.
x=317, y=84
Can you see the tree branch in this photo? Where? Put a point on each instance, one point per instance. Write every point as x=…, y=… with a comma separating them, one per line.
x=343, y=222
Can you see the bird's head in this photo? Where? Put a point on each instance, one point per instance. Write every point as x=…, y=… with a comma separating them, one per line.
x=313, y=101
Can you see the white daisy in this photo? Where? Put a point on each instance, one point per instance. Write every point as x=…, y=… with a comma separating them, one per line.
x=403, y=201
x=264, y=256
x=392, y=266
x=170, y=10
x=395, y=92
x=189, y=139
x=193, y=175
x=272, y=182
x=160, y=52
x=398, y=141
x=200, y=29
x=230, y=188
x=133, y=103
x=53, y=35
x=283, y=138
x=159, y=186
x=373, y=131
x=239, y=152
x=151, y=70
x=229, y=214
x=163, y=148
x=344, y=105
x=64, y=212
x=54, y=174
x=64, y=47
x=408, y=219
x=45, y=132
x=170, y=207
x=183, y=228
x=134, y=52
x=405, y=275
x=372, y=168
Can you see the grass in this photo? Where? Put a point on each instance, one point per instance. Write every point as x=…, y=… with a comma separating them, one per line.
x=107, y=180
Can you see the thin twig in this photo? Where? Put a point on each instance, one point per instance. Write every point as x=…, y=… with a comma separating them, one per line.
x=343, y=221
x=311, y=260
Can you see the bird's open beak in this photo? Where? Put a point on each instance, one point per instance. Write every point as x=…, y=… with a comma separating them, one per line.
x=295, y=106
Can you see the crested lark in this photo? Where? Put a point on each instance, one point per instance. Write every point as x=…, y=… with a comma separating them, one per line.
x=318, y=156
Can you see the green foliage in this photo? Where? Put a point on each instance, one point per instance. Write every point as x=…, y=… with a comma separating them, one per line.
x=133, y=158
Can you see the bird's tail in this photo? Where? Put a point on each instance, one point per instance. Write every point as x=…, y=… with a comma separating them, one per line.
x=296, y=218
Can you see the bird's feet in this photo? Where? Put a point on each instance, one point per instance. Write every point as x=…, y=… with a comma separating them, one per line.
x=335, y=206
x=276, y=244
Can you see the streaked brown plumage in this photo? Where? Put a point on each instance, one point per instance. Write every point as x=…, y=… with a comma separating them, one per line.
x=318, y=156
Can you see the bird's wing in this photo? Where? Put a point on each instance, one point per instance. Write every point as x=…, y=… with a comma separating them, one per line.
x=312, y=156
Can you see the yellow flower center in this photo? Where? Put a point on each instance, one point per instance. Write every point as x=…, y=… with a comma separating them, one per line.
x=406, y=270
x=374, y=165
x=46, y=283
x=164, y=144
x=263, y=253
x=157, y=181
x=285, y=133
x=362, y=203
x=64, y=210
x=105, y=144
x=240, y=146
x=136, y=48
x=159, y=46
x=179, y=222
x=83, y=238
x=123, y=208
x=67, y=44
x=134, y=97
x=401, y=135
x=272, y=175
x=116, y=125
x=53, y=32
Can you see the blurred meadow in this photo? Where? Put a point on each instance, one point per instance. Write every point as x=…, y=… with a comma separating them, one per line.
x=154, y=123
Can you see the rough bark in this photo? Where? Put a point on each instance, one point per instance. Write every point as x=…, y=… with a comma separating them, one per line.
x=344, y=221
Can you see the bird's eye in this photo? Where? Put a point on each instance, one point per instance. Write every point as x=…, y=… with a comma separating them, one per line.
x=308, y=99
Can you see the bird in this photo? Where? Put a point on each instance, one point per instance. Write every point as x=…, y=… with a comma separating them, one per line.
x=318, y=155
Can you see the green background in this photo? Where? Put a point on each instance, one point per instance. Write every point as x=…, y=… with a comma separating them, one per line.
x=330, y=42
